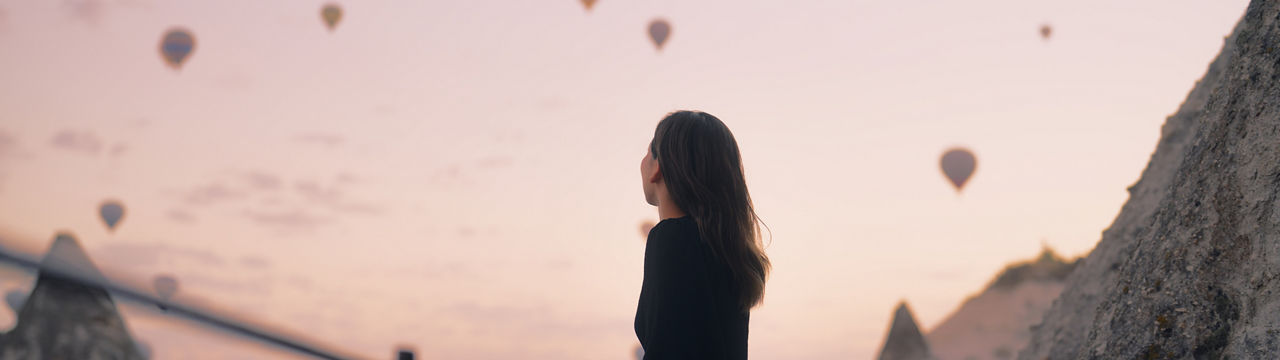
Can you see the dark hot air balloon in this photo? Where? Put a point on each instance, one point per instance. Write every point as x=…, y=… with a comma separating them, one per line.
x=404, y=353
x=659, y=31
x=588, y=4
x=958, y=165
x=1046, y=31
x=331, y=14
x=111, y=212
x=165, y=286
x=645, y=226
x=176, y=46
x=15, y=298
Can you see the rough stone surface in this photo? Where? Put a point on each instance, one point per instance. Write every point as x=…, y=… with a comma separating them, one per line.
x=1188, y=270
x=904, y=341
x=63, y=319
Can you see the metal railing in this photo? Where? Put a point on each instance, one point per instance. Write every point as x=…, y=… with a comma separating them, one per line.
x=201, y=316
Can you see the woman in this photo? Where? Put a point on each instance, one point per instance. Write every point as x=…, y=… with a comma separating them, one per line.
x=704, y=268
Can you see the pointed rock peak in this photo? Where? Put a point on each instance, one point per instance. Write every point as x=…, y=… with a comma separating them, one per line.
x=902, y=316
x=1048, y=256
x=904, y=342
x=66, y=257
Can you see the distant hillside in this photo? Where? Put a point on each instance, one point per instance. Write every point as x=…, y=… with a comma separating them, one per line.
x=1048, y=267
x=996, y=323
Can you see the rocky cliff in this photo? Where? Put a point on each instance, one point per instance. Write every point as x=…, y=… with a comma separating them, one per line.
x=1189, y=267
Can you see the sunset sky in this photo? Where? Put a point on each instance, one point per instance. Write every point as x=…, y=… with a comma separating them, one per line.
x=463, y=177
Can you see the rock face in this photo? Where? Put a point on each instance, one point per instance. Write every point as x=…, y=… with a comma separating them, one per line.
x=1189, y=267
x=62, y=319
x=904, y=341
x=996, y=323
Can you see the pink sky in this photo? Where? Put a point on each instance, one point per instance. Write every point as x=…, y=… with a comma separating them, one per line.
x=462, y=176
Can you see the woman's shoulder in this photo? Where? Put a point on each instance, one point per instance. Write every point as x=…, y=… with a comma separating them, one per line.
x=683, y=226
x=676, y=237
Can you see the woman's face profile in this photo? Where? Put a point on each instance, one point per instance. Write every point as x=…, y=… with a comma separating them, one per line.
x=648, y=177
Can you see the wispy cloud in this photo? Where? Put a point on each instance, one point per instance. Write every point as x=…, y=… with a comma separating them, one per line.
x=254, y=262
x=451, y=174
x=8, y=149
x=346, y=178
x=331, y=197
x=560, y=264
x=78, y=141
x=253, y=286
x=262, y=181
x=291, y=219
x=303, y=204
x=8, y=144
x=330, y=140
x=212, y=193
x=148, y=254
x=90, y=11
x=312, y=191
x=181, y=216
x=495, y=313
x=494, y=162
x=466, y=173
x=118, y=149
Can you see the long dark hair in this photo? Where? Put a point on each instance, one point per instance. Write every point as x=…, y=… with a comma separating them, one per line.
x=702, y=168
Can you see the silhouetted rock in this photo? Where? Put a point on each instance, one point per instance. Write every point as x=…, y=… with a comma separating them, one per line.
x=63, y=319
x=1189, y=268
x=996, y=323
x=904, y=341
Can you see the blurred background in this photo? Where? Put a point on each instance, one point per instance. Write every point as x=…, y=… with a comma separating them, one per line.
x=462, y=177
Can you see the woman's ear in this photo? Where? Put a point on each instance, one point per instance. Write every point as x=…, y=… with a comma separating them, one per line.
x=656, y=175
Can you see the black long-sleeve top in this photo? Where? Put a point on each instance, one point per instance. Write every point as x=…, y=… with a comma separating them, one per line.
x=687, y=307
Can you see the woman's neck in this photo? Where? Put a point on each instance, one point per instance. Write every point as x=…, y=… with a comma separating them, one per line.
x=667, y=209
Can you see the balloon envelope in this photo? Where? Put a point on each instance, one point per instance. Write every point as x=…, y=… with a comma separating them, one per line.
x=1045, y=31
x=958, y=165
x=659, y=31
x=111, y=211
x=332, y=14
x=15, y=298
x=176, y=47
x=144, y=349
x=588, y=3
x=165, y=286
x=645, y=226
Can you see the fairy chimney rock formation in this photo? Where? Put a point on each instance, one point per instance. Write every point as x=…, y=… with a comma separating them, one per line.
x=904, y=342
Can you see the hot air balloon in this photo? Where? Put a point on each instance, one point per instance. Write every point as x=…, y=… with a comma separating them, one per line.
x=1045, y=31
x=111, y=212
x=588, y=4
x=958, y=165
x=165, y=286
x=15, y=298
x=659, y=31
x=144, y=349
x=176, y=47
x=645, y=226
x=332, y=14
